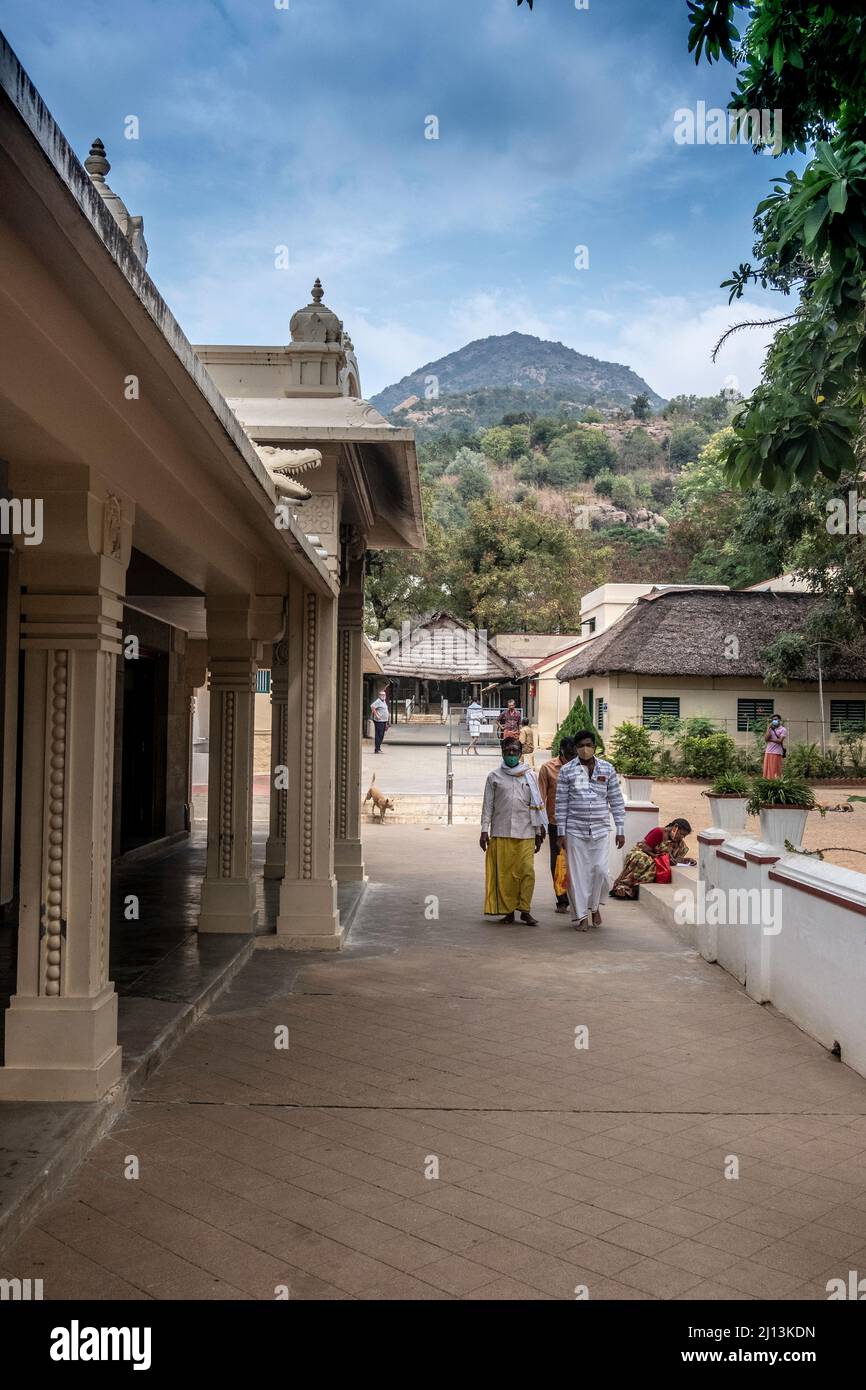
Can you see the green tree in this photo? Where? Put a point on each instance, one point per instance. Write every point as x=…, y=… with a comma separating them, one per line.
x=472, y=479
x=639, y=450
x=641, y=407
x=403, y=583
x=496, y=443
x=622, y=494
x=686, y=443
x=577, y=719
x=516, y=569
x=591, y=416
x=806, y=60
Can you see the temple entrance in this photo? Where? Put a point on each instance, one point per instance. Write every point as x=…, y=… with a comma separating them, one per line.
x=145, y=707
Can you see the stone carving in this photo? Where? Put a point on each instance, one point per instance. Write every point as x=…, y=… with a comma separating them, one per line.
x=310, y=616
x=111, y=523
x=319, y=514
x=228, y=749
x=53, y=907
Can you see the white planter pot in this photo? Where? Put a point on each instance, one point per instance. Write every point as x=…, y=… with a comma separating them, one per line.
x=727, y=812
x=781, y=823
x=638, y=788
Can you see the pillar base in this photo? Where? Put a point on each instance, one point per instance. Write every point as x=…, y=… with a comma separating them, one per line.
x=309, y=916
x=349, y=861
x=82, y=1031
x=275, y=858
x=228, y=905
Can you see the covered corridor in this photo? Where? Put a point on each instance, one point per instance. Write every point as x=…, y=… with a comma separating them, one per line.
x=431, y=1130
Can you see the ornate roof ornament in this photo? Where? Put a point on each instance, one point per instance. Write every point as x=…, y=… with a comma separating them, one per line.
x=282, y=462
x=97, y=166
x=316, y=323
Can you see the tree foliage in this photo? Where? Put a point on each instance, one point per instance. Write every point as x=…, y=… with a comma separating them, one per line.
x=516, y=569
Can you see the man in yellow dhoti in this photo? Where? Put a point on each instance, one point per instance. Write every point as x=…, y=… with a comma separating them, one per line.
x=513, y=826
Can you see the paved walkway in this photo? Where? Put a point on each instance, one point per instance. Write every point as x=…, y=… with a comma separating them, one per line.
x=450, y=1043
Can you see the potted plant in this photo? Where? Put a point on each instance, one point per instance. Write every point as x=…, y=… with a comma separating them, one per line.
x=783, y=804
x=728, y=797
x=633, y=755
x=638, y=774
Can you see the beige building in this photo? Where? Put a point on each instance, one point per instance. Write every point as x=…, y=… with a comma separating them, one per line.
x=156, y=536
x=681, y=651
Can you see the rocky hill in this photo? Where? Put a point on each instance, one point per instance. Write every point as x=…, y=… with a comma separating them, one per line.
x=475, y=386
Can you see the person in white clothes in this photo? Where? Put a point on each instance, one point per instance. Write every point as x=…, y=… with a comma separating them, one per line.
x=587, y=795
x=474, y=715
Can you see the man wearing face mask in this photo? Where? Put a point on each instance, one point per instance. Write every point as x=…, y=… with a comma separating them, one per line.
x=513, y=827
x=588, y=796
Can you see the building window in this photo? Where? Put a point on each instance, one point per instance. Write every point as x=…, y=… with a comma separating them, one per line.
x=847, y=715
x=589, y=624
x=263, y=682
x=599, y=715
x=655, y=706
x=751, y=712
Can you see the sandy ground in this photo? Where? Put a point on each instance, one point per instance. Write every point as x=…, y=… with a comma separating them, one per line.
x=838, y=833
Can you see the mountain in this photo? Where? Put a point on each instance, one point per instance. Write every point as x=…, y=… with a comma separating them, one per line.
x=509, y=372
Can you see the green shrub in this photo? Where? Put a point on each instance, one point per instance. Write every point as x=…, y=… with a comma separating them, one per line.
x=730, y=784
x=780, y=791
x=604, y=484
x=578, y=717
x=706, y=754
x=622, y=493
x=803, y=760
x=632, y=751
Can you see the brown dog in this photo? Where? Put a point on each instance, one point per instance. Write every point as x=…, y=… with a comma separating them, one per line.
x=381, y=803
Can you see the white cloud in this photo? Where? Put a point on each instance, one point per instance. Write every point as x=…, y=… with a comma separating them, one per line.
x=669, y=342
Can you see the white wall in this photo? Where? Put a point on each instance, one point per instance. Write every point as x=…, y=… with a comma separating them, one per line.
x=804, y=951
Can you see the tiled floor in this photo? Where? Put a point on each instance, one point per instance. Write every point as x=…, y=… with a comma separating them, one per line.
x=432, y=1131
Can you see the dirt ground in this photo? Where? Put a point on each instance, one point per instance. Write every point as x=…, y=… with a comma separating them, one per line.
x=844, y=829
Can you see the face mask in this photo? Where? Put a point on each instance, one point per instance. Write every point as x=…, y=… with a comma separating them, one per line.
x=511, y=760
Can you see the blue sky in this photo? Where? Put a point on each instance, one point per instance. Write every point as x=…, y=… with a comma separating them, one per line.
x=304, y=126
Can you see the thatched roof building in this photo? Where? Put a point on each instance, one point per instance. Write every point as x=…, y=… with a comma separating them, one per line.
x=689, y=632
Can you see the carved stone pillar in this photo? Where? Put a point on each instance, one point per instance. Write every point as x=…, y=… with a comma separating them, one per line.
x=348, y=852
x=61, y=1026
x=228, y=899
x=308, y=915
x=275, y=852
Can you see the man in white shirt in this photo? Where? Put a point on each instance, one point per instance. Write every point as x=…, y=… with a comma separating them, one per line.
x=587, y=795
x=379, y=711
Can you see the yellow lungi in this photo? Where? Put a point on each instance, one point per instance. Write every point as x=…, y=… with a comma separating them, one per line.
x=509, y=875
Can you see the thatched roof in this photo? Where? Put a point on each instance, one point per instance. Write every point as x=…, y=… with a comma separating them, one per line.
x=443, y=647
x=686, y=632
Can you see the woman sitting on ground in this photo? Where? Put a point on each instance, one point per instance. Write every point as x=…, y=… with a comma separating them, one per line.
x=651, y=859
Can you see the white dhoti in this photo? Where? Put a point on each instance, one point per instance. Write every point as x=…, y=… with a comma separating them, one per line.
x=587, y=873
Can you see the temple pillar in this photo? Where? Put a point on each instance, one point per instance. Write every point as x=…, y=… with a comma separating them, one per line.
x=275, y=851
x=348, y=851
x=228, y=899
x=61, y=1026
x=308, y=915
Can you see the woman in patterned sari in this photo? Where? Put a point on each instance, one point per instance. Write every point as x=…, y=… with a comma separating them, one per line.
x=642, y=863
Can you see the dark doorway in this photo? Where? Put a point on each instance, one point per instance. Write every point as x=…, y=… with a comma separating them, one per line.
x=145, y=709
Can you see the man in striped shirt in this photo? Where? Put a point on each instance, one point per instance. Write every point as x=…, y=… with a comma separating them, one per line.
x=587, y=795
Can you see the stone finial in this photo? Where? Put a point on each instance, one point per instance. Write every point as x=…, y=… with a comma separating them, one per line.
x=317, y=292
x=96, y=162
x=97, y=166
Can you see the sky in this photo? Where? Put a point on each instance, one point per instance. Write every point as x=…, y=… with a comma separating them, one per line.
x=304, y=124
